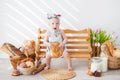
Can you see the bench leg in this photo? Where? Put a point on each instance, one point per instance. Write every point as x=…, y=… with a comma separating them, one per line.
x=89, y=63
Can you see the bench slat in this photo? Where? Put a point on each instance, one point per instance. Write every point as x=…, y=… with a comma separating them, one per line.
x=69, y=47
x=70, y=37
x=67, y=31
x=71, y=42
x=72, y=55
x=78, y=52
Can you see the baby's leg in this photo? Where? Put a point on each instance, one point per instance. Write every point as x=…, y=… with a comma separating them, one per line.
x=48, y=60
x=67, y=58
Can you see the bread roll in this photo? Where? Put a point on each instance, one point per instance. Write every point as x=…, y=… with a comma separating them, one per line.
x=56, y=51
x=116, y=53
x=40, y=68
x=29, y=64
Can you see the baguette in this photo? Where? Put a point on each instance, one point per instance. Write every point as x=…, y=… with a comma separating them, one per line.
x=40, y=68
x=110, y=48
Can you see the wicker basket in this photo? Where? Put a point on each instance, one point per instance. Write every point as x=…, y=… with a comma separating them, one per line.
x=26, y=71
x=113, y=63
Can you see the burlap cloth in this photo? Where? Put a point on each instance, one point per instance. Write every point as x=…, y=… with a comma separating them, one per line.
x=57, y=74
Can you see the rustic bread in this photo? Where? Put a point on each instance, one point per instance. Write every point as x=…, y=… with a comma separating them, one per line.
x=11, y=50
x=110, y=47
x=56, y=51
x=116, y=53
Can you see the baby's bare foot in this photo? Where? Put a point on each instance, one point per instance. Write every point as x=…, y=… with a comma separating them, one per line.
x=70, y=68
x=46, y=68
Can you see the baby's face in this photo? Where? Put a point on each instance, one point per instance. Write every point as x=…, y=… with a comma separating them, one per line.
x=54, y=23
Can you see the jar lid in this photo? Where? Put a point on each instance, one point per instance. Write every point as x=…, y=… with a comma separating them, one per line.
x=96, y=59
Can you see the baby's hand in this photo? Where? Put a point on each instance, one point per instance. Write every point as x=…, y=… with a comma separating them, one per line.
x=61, y=45
x=61, y=56
x=50, y=45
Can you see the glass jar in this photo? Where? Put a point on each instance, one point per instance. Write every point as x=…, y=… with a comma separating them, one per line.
x=104, y=67
x=96, y=64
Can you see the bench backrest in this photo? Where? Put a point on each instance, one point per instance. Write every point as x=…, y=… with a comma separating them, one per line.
x=78, y=45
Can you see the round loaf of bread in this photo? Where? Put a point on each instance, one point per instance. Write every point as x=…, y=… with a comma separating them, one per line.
x=56, y=51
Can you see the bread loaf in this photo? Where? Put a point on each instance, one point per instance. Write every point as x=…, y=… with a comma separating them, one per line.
x=116, y=53
x=56, y=51
x=110, y=47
